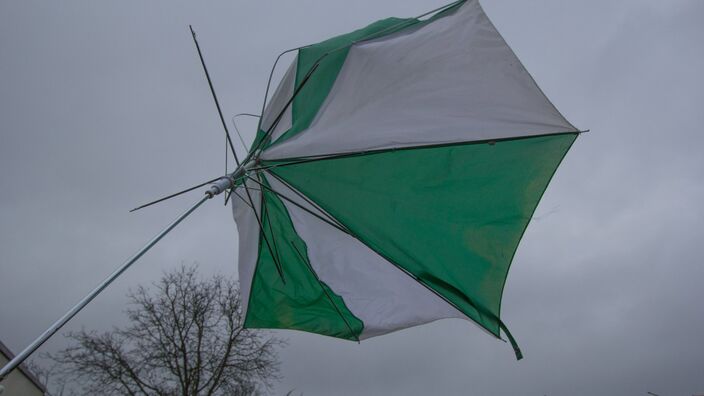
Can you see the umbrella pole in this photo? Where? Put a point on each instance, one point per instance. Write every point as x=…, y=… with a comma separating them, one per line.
x=215, y=189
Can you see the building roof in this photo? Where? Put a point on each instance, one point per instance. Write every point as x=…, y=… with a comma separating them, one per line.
x=25, y=371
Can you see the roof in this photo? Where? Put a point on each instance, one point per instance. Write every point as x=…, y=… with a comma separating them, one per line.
x=25, y=371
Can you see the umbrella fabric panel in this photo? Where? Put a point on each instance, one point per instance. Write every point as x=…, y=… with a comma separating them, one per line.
x=452, y=79
x=452, y=215
x=296, y=298
x=375, y=291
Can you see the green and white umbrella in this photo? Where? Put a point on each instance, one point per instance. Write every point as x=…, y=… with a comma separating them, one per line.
x=394, y=172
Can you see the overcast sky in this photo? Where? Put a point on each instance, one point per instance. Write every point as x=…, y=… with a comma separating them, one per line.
x=103, y=106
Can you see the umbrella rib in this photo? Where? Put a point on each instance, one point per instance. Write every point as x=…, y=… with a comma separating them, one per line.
x=268, y=82
x=263, y=232
x=234, y=124
x=276, y=163
x=215, y=98
x=265, y=213
x=306, y=199
x=227, y=196
x=331, y=221
x=270, y=130
x=229, y=193
x=175, y=194
x=241, y=197
x=244, y=145
x=320, y=283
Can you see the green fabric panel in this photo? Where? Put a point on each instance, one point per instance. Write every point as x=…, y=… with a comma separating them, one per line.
x=450, y=215
x=303, y=302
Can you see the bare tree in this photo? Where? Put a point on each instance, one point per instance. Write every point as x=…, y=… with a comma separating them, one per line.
x=185, y=337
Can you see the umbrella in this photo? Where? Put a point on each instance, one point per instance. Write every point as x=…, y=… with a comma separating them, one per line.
x=393, y=174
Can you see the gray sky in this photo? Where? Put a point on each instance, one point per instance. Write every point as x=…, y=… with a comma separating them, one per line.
x=103, y=105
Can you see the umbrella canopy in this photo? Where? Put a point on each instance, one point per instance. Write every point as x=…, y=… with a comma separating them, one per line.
x=394, y=173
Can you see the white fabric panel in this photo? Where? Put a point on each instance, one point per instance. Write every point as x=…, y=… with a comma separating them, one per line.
x=375, y=291
x=248, y=231
x=283, y=93
x=452, y=80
